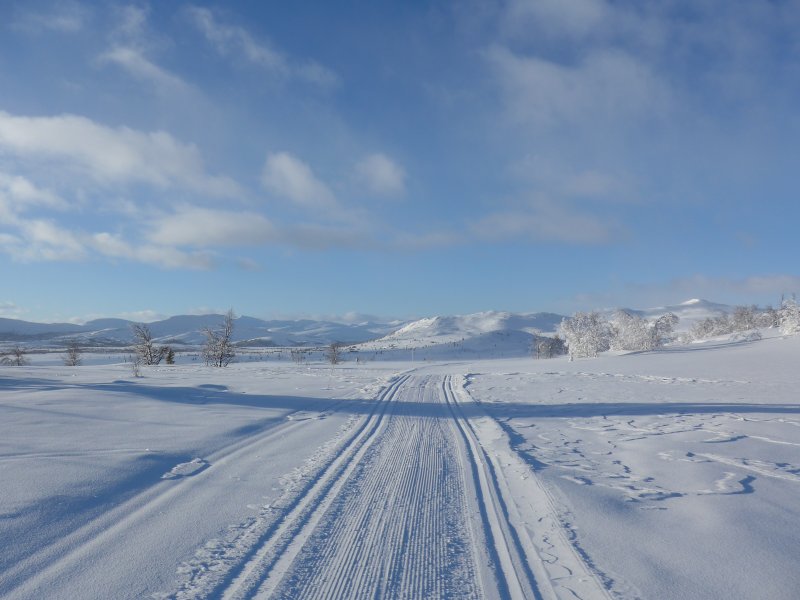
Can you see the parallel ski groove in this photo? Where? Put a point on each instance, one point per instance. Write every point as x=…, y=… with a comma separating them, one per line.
x=254, y=568
x=397, y=528
x=512, y=565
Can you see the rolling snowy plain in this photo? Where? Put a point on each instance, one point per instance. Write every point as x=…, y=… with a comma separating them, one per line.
x=668, y=474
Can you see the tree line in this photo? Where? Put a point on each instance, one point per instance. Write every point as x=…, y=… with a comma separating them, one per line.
x=586, y=334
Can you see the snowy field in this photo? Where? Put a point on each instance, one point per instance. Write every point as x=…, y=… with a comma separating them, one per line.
x=672, y=474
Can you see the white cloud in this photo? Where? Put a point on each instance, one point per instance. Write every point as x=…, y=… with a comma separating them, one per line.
x=232, y=40
x=41, y=240
x=202, y=227
x=606, y=86
x=163, y=256
x=381, y=175
x=115, y=155
x=18, y=194
x=289, y=177
x=9, y=310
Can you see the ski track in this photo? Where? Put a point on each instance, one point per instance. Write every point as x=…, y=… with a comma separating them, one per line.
x=410, y=504
x=47, y=563
x=412, y=500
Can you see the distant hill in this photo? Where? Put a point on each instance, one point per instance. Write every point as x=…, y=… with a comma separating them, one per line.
x=490, y=333
x=689, y=312
x=188, y=329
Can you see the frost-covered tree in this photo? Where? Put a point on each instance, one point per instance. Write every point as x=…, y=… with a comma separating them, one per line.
x=586, y=334
x=334, y=353
x=219, y=350
x=633, y=333
x=769, y=317
x=630, y=332
x=15, y=357
x=790, y=317
x=744, y=318
x=550, y=347
x=72, y=356
x=662, y=329
x=703, y=329
x=145, y=347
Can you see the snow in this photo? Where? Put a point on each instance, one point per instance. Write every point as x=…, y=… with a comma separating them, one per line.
x=661, y=475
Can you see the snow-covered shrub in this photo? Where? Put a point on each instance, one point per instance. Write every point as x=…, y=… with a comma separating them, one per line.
x=586, y=334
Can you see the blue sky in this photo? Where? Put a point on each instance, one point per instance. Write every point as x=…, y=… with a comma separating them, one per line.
x=395, y=158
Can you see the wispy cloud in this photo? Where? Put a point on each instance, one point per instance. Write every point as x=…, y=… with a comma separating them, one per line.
x=605, y=85
x=9, y=310
x=547, y=221
x=764, y=289
x=139, y=66
x=131, y=43
x=61, y=17
x=380, y=175
x=236, y=42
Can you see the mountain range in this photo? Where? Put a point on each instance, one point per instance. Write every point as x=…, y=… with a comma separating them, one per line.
x=471, y=329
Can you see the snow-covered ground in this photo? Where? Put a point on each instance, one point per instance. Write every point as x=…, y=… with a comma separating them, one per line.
x=657, y=475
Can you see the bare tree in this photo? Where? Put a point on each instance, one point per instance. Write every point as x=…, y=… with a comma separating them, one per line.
x=72, y=357
x=14, y=357
x=334, y=353
x=218, y=350
x=146, y=350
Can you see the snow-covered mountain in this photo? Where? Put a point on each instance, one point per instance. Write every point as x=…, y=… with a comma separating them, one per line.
x=473, y=333
x=483, y=334
x=188, y=329
x=689, y=312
